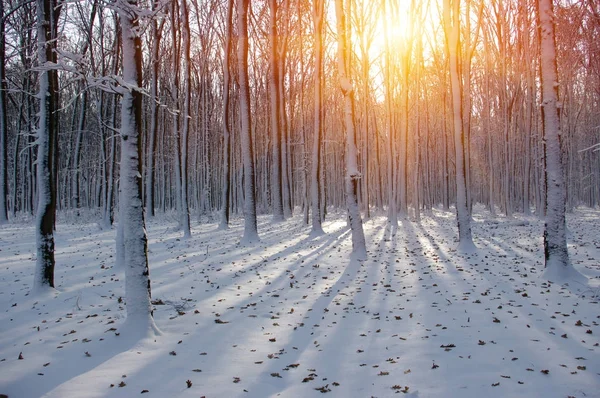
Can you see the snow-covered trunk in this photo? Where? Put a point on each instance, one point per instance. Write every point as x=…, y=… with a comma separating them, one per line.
x=3, y=126
x=110, y=177
x=378, y=165
x=276, y=164
x=365, y=182
x=465, y=67
x=416, y=185
x=207, y=169
x=225, y=193
x=152, y=134
x=323, y=183
x=426, y=161
x=103, y=161
x=137, y=274
x=556, y=255
x=315, y=189
x=463, y=217
x=16, y=152
x=47, y=14
x=391, y=147
x=306, y=173
x=175, y=112
x=530, y=103
x=109, y=209
x=287, y=171
x=75, y=200
x=286, y=153
x=446, y=162
x=507, y=174
x=250, y=224
x=302, y=125
x=527, y=138
x=487, y=128
x=403, y=163
x=185, y=128
x=416, y=189
x=352, y=174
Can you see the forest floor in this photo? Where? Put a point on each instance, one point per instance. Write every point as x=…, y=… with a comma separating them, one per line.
x=293, y=316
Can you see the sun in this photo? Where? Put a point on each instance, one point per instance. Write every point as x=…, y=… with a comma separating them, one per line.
x=395, y=25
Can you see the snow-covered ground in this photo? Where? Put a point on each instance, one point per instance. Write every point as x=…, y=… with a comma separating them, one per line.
x=294, y=317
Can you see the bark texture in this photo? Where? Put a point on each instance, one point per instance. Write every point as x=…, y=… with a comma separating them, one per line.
x=48, y=12
x=556, y=255
x=137, y=273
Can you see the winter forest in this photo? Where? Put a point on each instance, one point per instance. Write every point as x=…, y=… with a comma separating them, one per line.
x=225, y=198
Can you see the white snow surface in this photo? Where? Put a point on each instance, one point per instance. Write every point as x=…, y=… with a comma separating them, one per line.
x=293, y=316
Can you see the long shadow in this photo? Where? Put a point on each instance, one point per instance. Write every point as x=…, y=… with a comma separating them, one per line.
x=75, y=359
x=302, y=337
x=253, y=312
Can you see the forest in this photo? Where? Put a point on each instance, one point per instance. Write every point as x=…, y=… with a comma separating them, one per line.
x=203, y=182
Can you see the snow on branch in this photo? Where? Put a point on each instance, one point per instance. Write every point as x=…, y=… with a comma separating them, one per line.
x=593, y=148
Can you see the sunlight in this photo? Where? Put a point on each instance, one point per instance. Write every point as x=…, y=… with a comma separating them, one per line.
x=402, y=19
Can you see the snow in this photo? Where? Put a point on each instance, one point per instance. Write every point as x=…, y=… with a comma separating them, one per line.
x=293, y=313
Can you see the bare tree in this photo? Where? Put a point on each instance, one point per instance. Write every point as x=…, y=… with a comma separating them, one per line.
x=250, y=224
x=48, y=12
x=352, y=174
x=3, y=121
x=185, y=129
x=137, y=274
x=225, y=205
x=274, y=93
x=556, y=255
x=391, y=135
x=75, y=185
x=315, y=189
x=154, y=107
x=452, y=28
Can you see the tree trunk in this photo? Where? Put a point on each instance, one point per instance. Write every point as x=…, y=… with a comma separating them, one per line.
x=276, y=164
x=137, y=275
x=391, y=147
x=315, y=189
x=48, y=12
x=185, y=129
x=3, y=123
x=152, y=134
x=75, y=200
x=286, y=153
x=452, y=27
x=352, y=174
x=176, y=111
x=556, y=255
x=225, y=205
x=250, y=223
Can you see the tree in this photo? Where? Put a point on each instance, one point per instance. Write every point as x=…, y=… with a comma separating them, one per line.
x=315, y=189
x=75, y=190
x=274, y=93
x=250, y=224
x=452, y=28
x=286, y=154
x=178, y=33
x=137, y=273
x=391, y=135
x=185, y=130
x=352, y=174
x=225, y=205
x=556, y=255
x=3, y=121
x=48, y=12
x=109, y=190
x=153, y=133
